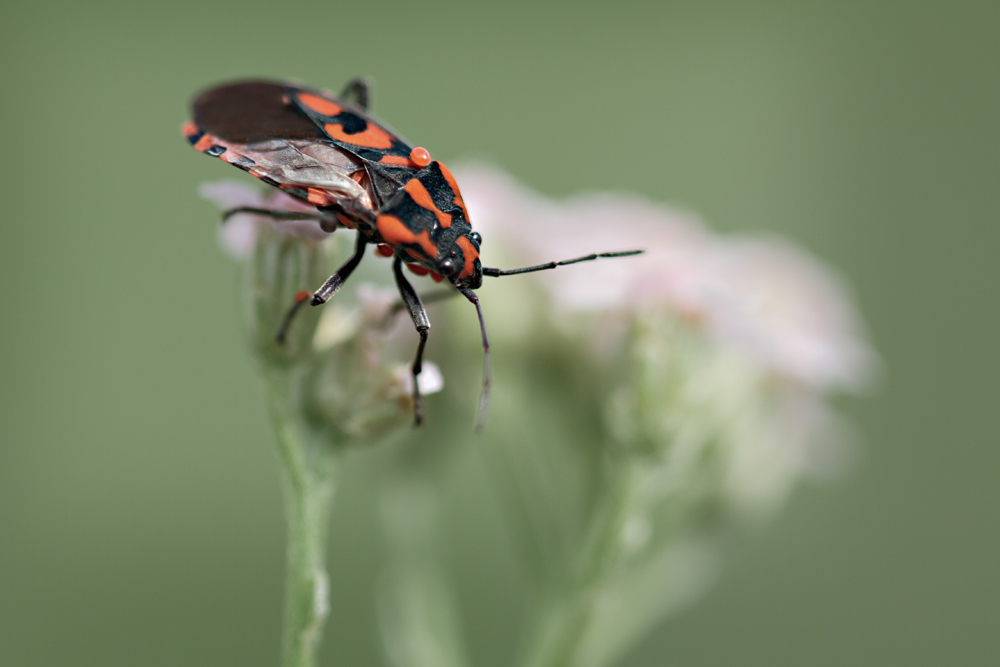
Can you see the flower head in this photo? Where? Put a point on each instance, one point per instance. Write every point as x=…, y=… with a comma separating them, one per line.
x=353, y=379
x=758, y=294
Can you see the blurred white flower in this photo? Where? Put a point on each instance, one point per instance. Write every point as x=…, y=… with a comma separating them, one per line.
x=760, y=295
x=715, y=354
x=239, y=234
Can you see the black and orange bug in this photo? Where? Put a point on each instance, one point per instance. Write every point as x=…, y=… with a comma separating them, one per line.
x=358, y=173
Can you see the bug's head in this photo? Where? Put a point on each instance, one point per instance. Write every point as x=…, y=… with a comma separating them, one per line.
x=460, y=264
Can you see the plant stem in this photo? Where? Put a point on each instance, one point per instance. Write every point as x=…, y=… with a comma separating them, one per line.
x=309, y=469
x=566, y=619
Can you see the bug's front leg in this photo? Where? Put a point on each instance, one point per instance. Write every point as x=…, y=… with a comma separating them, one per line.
x=360, y=88
x=422, y=324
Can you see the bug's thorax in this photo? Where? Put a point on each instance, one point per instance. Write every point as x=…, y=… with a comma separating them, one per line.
x=425, y=221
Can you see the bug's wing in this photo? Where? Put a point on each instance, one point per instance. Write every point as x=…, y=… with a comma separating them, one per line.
x=253, y=126
x=385, y=154
x=351, y=127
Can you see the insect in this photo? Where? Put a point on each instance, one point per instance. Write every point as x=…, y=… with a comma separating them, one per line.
x=327, y=150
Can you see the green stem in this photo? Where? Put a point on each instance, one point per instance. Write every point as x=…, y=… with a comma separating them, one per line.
x=309, y=469
x=567, y=617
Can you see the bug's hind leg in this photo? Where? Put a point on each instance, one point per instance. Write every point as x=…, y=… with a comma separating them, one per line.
x=327, y=223
x=360, y=88
x=326, y=290
x=422, y=324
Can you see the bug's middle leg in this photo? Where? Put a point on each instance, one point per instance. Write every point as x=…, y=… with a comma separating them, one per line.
x=422, y=324
x=326, y=290
x=337, y=280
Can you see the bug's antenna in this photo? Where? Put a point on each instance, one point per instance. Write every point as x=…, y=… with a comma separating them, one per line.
x=552, y=265
x=484, y=398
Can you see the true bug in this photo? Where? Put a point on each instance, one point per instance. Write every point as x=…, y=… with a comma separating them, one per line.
x=328, y=151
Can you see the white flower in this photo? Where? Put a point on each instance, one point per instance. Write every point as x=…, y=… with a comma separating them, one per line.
x=760, y=295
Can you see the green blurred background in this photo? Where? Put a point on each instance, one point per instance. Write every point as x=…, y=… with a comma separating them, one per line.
x=140, y=512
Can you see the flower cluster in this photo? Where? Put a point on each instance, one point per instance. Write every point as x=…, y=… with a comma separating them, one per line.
x=688, y=394
x=352, y=378
x=715, y=354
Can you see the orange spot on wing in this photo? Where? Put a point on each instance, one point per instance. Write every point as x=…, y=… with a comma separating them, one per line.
x=396, y=160
x=372, y=137
x=190, y=129
x=423, y=199
x=394, y=232
x=319, y=104
x=470, y=254
x=206, y=142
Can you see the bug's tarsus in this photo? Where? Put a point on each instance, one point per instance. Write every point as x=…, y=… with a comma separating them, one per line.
x=484, y=398
x=422, y=325
x=552, y=265
x=360, y=88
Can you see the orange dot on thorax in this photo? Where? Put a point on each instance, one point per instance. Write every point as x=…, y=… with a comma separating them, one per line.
x=420, y=157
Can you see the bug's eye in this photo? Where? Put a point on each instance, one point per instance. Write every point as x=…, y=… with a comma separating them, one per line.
x=446, y=267
x=476, y=237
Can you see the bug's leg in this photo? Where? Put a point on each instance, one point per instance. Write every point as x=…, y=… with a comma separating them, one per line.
x=552, y=265
x=360, y=88
x=337, y=280
x=484, y=398
x=431, y=297
x=422, y=324
x=325, y=221
x=323, y=294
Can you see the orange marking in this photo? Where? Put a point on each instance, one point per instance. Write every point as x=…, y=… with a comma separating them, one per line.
x=319, y=104
x=420, y=157
x=190, y=129
x=394, y=232
x=318, y=197
x=423, y=199
x=373, y=136
x=436, y=277
x=345, y=221
x=417, y=269
x=302, y=296
x=206, y=142
x=453, y=184
x=385, y=250
x=470, y=254
x=396, y=160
